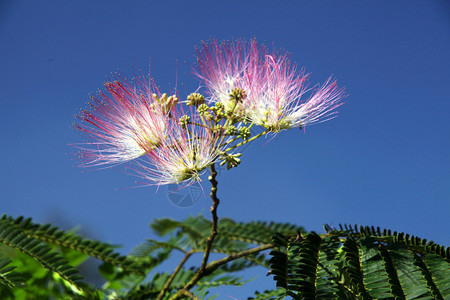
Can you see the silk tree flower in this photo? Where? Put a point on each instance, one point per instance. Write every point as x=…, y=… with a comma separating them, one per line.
x=274, y=89
x=226, y=67
x=125, y=124
x=187, y=150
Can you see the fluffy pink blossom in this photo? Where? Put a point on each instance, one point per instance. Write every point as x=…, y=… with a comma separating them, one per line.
x=275, y=90
x=122, y=125
x=224, y=67
x=182, y=155
x=133, y=123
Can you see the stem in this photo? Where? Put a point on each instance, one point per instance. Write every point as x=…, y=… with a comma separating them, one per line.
x=209, y=241
x=205, y=268
x=217, y=263
x=169, y=282
x=247, y=141
x=206, y=126
x=230, y=141
x=215, y=219
x=187, y=294
x=198, y=124
x=227, y=122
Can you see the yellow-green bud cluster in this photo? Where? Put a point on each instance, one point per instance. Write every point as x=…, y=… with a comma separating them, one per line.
x=184, y=120
x=230, y=107
x=217, y=109
x=230, y=130
x=281, y=125
x=234, y=111
x=218, y=129
x=195, y=99
x=165, y=102
x=244, y=133
x=219, y=105
x=231, y=160
x=202, y=108
x=208, y=115
x=238, y=94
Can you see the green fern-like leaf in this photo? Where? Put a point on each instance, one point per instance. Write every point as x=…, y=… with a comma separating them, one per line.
x=151, y=289
x=376, y=280
x=268, y=295
x=246, y=262
x=235, y=240
x=148, y=247
x=196, y=228
x=416, y=244
x=54, y=236
x=255, y=232
x=7, y=276
x=190, y=236
x=436, y=272
x=232, y=236
x=327, y=284
x=360, y=263
x=279, y=261
x=15, y=238
x=352, y=268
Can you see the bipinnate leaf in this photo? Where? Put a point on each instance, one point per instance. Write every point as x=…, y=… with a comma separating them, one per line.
x=360, y=263
x=51, y=235
x=16, y=238
x=7, y=275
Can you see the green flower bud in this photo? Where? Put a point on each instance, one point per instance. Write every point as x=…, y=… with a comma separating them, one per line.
x=238, y=94
x=219, y=105
x=218, y=129
x=184, y=120
x=215, y=111
x=244, y=132
x=231, y=160
x=165, y=103
x=202, y=108
x=230, y=130
x=169, y=103
x=208, y=115
x=156, y=97
x=195, y=99
x=229, y=109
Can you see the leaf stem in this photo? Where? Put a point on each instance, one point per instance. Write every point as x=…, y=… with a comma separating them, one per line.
x=172, y=277
x=217, y=263
x=188, y=294
x=210, y=268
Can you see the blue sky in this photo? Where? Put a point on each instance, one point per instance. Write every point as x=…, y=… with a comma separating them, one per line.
x=384, y=161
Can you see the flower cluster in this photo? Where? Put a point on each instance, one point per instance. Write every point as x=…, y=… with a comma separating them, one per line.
x=122, y=125
x=137, y=121
x=186, y=151
x=169, y=141
x=274, y=90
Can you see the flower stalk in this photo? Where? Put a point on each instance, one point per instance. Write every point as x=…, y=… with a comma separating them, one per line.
x=215, y=220
x=247, y=141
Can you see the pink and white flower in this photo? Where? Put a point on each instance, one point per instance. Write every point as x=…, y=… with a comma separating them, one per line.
x=182, y=155
x=123, y=125
x=227, y=66
x=136, y=124
x=273, y=86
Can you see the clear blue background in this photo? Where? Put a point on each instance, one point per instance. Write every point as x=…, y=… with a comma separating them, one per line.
x=384, y=161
